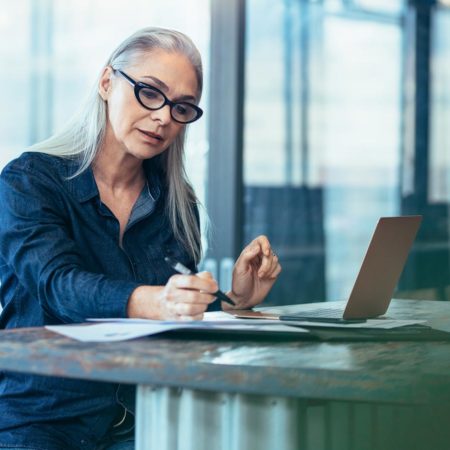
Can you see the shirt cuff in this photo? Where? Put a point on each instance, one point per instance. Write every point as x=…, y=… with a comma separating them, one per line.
x=116, y=298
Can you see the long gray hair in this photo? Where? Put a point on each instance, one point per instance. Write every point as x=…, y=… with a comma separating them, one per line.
x=83, y=135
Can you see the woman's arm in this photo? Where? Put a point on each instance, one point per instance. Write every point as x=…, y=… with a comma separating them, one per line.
x=36, y=243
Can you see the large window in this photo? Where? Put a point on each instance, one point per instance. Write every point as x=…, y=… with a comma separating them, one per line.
x=52, y=52
x=345, y=120
x=439, y=182
x=327, y=147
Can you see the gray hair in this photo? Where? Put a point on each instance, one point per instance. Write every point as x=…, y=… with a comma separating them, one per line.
x=84, y=133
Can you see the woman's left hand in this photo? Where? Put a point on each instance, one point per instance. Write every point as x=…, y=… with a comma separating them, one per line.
x=254, y=274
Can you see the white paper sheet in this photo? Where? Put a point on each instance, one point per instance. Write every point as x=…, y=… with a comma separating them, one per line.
x=108, y=331
x=113, y=330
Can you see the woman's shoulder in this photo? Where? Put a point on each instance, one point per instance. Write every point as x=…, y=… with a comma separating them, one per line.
x=38, y=163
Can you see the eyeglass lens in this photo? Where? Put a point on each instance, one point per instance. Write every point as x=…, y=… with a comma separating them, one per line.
x=152, y=99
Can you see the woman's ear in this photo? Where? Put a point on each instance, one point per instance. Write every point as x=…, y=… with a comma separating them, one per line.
x=104, y=85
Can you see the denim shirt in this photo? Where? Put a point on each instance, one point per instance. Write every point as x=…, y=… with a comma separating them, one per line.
x=61, y=262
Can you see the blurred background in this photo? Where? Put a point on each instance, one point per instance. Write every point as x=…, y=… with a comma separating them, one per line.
x=320, y=117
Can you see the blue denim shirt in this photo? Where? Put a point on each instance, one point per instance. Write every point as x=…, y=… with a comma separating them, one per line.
x=61, y=262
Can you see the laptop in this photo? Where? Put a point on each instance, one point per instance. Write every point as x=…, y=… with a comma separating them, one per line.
x=377, y=278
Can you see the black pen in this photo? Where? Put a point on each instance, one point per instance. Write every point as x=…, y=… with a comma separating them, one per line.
x=180, y=268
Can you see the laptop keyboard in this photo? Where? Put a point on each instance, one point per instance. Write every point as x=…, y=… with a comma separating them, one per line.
x=333, y=313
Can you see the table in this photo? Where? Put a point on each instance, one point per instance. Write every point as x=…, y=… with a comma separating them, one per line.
x=233, y=393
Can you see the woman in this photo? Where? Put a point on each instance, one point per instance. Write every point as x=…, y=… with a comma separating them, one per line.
x=87, y=219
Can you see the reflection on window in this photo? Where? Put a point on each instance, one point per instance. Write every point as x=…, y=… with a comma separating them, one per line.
x=322, y=139
x=15, y=86
x=55, y=49
x=383, y=6
x=439, y=181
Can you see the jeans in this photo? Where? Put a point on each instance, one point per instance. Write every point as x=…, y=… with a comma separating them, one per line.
x=53, y=437
x=128, y=445
x=124, y=445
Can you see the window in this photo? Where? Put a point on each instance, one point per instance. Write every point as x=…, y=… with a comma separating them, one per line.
x=54, y=51
x=323, y=136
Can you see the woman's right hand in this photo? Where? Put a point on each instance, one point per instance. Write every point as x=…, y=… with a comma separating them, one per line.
x=184, y=297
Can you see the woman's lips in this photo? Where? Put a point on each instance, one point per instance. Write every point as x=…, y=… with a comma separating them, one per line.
x=151, y=135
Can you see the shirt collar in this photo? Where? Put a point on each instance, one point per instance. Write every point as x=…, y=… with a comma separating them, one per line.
x=83, y=187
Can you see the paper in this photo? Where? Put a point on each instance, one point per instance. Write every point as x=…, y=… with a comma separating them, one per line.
x=108, y=331
x=113, y=330
x=379, y=323
x=120, y=329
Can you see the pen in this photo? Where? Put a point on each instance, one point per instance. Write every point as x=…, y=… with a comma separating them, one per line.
x=180, y=268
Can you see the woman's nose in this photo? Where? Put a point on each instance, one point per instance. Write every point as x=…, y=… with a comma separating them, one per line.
x=162, y=114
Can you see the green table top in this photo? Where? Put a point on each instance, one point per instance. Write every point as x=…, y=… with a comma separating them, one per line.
x=382, y=372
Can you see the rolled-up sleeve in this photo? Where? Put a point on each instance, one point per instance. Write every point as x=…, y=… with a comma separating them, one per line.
x=36, y=243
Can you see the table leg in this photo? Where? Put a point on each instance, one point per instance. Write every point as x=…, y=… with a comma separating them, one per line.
x=186, y=419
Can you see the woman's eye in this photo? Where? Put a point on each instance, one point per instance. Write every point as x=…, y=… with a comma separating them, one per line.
x=181, y=109
x=149, y=94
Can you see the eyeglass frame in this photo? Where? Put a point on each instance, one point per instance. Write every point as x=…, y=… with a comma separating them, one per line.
x=139, y=85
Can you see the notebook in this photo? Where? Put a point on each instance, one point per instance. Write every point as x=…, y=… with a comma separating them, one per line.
x=379, y=273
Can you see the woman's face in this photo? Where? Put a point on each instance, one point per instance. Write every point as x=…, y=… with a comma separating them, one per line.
x=131, y=128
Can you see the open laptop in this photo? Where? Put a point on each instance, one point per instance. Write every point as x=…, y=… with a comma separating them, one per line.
x=376, y=280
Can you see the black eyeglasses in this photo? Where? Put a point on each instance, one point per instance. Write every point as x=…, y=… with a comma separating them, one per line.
x=152, y=98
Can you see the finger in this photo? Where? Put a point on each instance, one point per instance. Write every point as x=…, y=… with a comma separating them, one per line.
x=250, y=253
x=189, y=309
x=260, y=246
x=252, y=256
x=175, y=295
x=274, y=274
x=190, y=318
x=266, y=265
x=206, y=275
x=274, y=263
x=264, y=244
x=199, y=283
x=175, y=310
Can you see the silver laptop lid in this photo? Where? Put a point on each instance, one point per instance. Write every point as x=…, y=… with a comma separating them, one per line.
x=382, y=266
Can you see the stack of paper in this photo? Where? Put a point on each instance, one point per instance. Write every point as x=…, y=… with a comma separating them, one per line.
x=110, y=330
